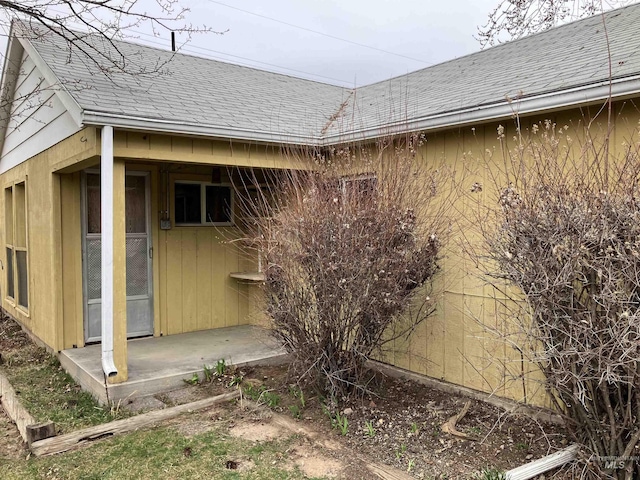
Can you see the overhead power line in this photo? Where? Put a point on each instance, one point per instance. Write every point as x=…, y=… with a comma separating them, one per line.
x=191, y=46
x=279, y=67
x=253, y=63
x=299, y=27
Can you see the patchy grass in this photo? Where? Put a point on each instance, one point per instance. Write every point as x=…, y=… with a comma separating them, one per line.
x=400, y=427
x=44, y=388
x=164, y=453
x=194, y=446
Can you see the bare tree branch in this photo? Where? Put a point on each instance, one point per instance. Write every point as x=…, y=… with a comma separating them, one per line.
x=90, y=27
x=513, y=19
x=88, y=32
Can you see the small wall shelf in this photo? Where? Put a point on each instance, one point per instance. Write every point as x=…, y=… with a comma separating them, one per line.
x=248, y=276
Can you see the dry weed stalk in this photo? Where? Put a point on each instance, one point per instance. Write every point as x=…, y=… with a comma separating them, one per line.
x=567, y=234
x=349, y=248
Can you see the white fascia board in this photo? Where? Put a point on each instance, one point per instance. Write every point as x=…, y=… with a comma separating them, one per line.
x=186, y=128
x=553, y=101
x=65, y=97
x=13, y=55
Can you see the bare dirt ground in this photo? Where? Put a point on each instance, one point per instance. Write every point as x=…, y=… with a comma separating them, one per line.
x=401, y=426
x=11, y=444
x=314, y=456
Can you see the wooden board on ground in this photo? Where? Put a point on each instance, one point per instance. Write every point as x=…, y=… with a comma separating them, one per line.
x=30, y=430
x=73, y=440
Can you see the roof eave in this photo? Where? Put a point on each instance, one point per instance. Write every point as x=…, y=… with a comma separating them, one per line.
x=127, y=122
x=546, y=102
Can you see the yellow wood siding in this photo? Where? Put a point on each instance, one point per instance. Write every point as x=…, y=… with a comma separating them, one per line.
x=44, y=194
x=454, y=345
x=196, y=290
x=71, y=261
x=180, y=149
x=191, y=264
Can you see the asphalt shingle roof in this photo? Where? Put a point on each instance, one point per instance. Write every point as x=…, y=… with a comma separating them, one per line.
x=213, y=93
x=562, y=58
x=185, y=88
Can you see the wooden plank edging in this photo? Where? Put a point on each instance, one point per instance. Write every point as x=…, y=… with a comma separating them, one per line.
x=30, y=430
x=73, y=440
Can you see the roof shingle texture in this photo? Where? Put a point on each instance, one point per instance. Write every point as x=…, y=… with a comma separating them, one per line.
x=185, y=88
x=212, y=93
x=562, y=58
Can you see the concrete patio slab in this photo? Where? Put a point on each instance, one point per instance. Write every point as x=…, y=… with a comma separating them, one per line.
x=160, y=364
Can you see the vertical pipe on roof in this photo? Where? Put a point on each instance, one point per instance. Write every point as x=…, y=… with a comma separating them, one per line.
x=106, y=200
x=173, y=41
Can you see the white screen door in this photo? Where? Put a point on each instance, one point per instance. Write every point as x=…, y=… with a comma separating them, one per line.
x=138, y=239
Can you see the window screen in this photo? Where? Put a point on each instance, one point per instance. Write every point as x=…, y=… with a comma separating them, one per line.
x=10, y=286
x=23, y=289
x=200, y=203
x=218, y=204
x=188, y=205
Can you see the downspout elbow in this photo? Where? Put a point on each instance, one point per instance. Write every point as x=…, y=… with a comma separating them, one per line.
x=108, y=365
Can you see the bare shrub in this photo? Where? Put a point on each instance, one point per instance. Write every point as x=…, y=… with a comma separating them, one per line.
x=350, y=246
x=565, y=229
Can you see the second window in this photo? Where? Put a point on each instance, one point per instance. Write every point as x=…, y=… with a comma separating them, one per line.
x=198, y=203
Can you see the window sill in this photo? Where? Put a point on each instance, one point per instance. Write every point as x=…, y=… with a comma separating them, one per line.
x=18, y=308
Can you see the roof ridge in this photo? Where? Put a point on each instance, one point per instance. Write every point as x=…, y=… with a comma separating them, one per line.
x=213, y=60
x=131, y=41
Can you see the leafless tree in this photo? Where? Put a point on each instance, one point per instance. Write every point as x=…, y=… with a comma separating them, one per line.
x=88, y=25
x=513, y=19
x=350, y=246
x=88, y=32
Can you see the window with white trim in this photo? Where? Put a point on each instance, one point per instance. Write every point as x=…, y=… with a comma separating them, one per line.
x=201, y=203
x=16, y=244
x=364, y=185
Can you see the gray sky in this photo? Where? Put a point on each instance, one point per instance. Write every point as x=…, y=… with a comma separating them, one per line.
x=427, y=31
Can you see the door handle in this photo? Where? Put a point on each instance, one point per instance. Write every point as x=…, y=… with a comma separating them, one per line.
x=150, y=252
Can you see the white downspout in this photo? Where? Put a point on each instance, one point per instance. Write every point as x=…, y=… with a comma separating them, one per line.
x=106, y=200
